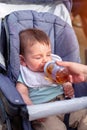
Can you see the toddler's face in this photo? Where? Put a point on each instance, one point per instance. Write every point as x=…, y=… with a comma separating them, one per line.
x=36, y=56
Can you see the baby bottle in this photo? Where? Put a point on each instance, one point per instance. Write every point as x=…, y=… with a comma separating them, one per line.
x=56, y=73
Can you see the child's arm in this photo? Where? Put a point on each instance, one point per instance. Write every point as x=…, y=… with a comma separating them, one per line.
x=68, y=90
x=23, y=90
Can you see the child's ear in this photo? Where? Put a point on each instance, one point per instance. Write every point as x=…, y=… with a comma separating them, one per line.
x=22, y=60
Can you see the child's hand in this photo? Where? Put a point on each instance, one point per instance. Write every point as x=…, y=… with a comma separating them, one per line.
x=68, y=90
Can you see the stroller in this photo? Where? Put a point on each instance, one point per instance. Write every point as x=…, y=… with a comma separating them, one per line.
x=13, y=111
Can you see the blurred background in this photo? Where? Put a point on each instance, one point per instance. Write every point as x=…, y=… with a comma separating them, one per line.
x=79, y=22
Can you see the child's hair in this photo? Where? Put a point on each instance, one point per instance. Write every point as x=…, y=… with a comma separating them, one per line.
x=31, y=37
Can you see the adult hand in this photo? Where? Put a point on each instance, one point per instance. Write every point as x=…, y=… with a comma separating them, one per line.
x=77, y=72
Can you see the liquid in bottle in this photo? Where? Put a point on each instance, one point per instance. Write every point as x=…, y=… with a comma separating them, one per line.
x=56, y=73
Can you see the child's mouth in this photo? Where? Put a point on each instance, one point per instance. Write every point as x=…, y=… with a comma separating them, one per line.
x=42, y=68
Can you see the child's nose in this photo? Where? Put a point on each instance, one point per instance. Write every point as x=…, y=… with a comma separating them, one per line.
x=45, y=59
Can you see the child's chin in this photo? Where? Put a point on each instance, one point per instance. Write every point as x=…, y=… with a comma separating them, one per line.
x=41, y=70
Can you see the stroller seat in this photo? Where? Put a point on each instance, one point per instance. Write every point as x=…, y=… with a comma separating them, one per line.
x=64, y=43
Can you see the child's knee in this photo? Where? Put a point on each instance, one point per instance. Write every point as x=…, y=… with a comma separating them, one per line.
x=76, y=118
x=83, y=123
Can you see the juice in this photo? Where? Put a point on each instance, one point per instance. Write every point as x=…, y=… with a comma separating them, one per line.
x=56, y=73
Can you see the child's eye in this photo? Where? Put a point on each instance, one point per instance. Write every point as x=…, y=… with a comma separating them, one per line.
x=49, y=55
x=37, y=57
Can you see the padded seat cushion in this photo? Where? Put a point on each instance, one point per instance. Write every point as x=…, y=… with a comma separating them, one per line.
x=63, y=39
